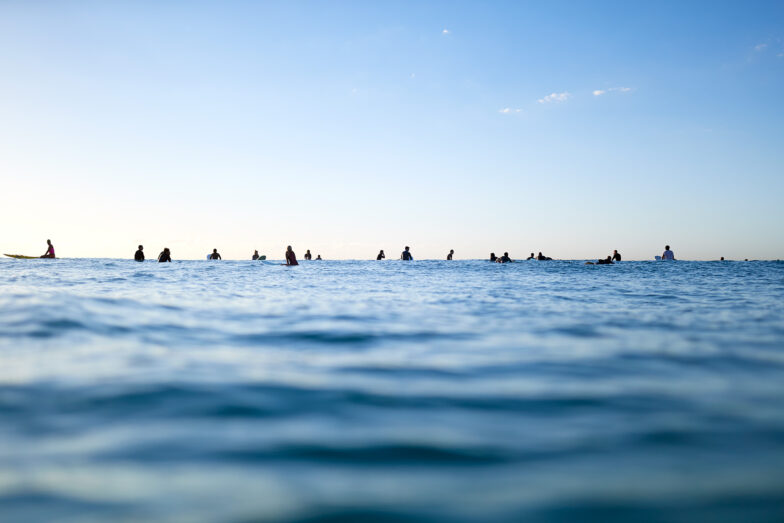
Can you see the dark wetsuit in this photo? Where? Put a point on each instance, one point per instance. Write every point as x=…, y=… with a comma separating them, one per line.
x=504, y=259
x=139, y=256
x=604, y=262
x=164, y=257
x=215, y=256
x=616, y=257
x=492, y=258
x=380, y=256
x=308, y=256
x=406, y=256
x=449, y=256
x=255, y=257
x=291, y=258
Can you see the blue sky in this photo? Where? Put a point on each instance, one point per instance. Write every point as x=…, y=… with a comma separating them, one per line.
x=346, y=127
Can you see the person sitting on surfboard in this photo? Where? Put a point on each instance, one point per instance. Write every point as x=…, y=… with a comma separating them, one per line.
x=139, y=256
x=255, y=255
x=307, y=255
x=492, y=257
x=406, y=255
x=451, y=252
x=164, y=256
x=532, y=257
x=49, y=251
x=215, y=255
x=318, y=257
x=667, y=254
x=291, y=258
x=616, y=256
x=380, y=255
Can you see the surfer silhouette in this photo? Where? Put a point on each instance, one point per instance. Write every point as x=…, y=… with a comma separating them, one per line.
x=49, y=251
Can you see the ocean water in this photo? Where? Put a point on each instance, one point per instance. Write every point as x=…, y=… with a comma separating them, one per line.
x=386, y=391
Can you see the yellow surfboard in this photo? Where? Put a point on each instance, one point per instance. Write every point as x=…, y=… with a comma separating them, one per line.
x=21, y=256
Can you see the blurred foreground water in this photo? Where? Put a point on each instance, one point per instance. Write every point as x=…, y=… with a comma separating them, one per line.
x=429, y=390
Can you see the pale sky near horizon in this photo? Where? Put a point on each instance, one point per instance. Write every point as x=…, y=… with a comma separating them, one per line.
x=348, y=127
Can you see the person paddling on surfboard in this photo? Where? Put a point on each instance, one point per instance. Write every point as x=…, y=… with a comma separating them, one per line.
x=49, y=251
x=291, y=258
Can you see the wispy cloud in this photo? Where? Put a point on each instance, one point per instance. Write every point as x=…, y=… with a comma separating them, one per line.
x=508, y=110
x=445, y=32
x=760, y=47
x=554, y=97
x=600, y=92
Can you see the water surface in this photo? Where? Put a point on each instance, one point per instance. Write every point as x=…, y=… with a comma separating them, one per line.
x=429, y=390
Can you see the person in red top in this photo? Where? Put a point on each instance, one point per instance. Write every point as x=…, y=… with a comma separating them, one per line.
x=49, y=251
x=291, y=258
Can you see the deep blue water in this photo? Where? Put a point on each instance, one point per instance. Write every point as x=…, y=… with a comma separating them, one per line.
x=441, y=391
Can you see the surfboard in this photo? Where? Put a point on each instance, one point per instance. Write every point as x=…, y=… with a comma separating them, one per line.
x=21, y=256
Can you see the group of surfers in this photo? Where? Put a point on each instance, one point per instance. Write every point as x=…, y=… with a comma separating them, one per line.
x=667, y=255
x=165, y=255
x=291, y=258
x=506, y=259
x=616, y=257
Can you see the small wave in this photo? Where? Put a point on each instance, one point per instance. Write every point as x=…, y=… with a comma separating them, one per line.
x=579, y=331
x=332, y=337
x=37, y=505
x=400, y=454
x=44, y=329
x=144, y=275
